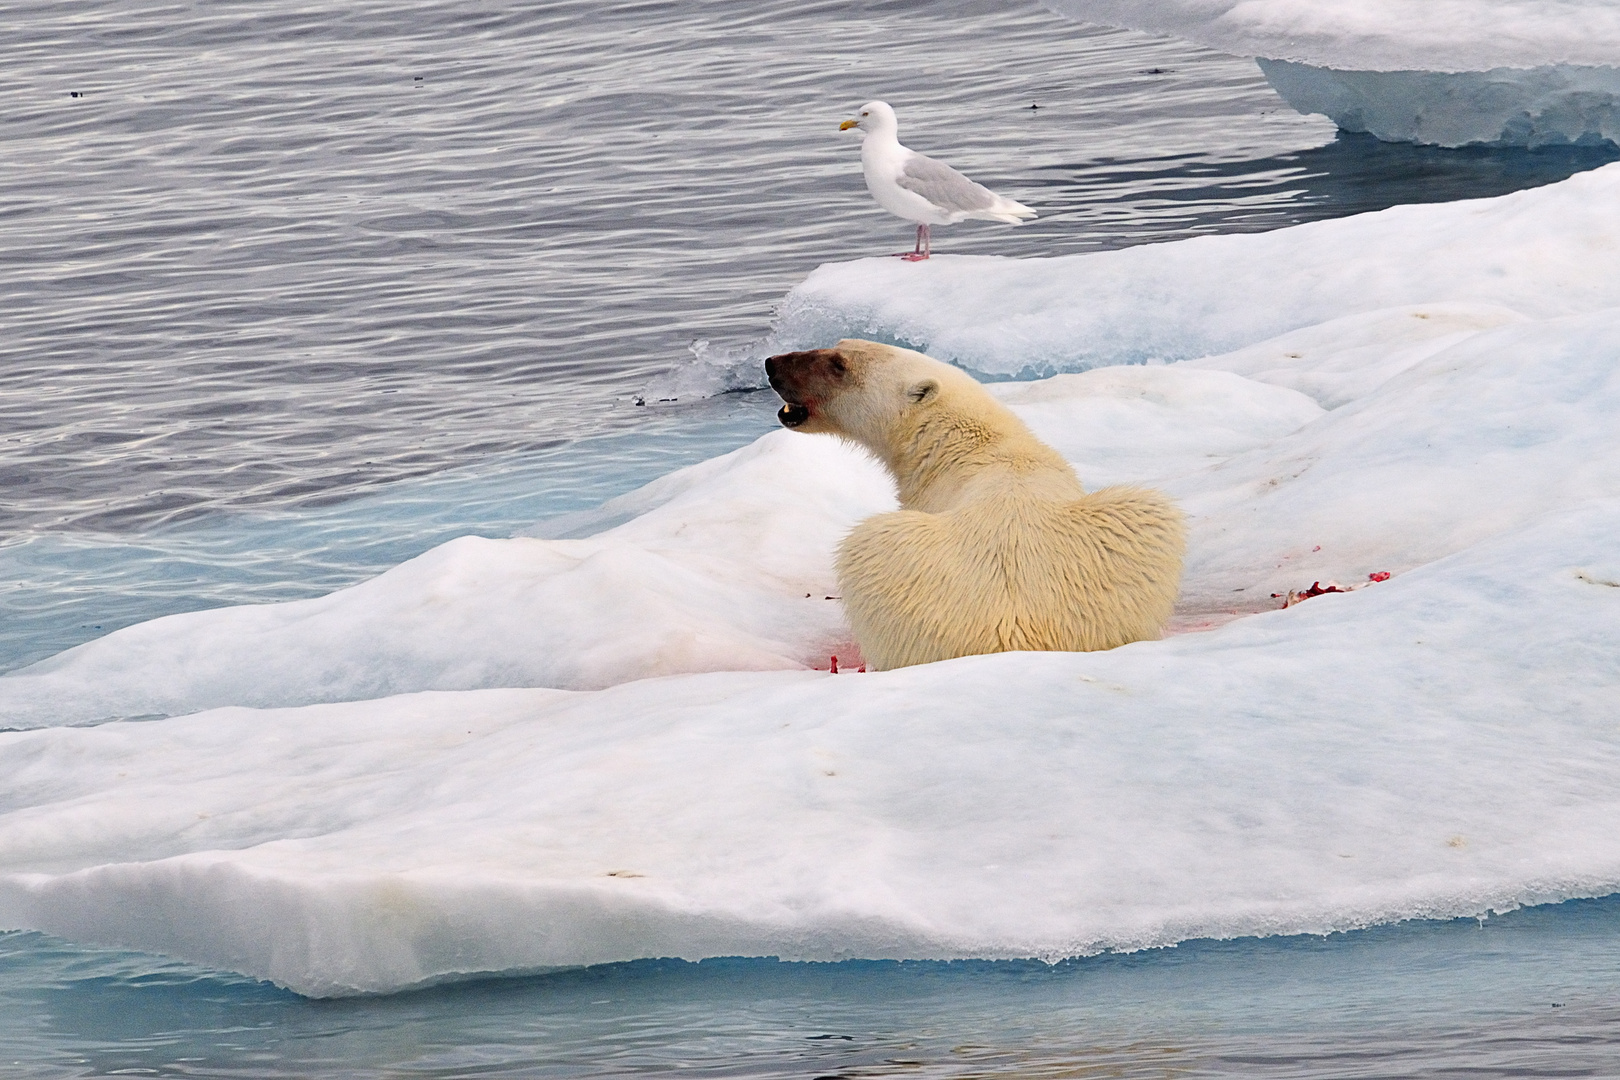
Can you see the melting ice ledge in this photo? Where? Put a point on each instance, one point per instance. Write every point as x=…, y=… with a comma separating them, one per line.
x=511, y=754
x=1530, y=107
x=1444, y=72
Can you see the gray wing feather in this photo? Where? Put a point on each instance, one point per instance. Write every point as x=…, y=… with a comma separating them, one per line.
x=944, y=186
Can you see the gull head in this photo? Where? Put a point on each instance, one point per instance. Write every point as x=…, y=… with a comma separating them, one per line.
x=876, y=118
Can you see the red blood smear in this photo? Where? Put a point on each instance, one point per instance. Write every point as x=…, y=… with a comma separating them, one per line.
x=835, y=665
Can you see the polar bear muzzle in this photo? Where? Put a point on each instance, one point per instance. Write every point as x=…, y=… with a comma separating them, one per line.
x=802, y=380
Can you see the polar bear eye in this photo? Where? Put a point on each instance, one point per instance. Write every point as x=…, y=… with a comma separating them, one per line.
x=923, y=391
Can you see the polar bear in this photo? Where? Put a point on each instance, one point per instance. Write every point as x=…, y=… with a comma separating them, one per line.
x=996, y=546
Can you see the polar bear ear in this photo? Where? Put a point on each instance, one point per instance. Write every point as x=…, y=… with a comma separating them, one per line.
x=921, y=392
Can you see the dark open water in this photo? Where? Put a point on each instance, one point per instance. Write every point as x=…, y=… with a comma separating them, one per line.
x=290, y=292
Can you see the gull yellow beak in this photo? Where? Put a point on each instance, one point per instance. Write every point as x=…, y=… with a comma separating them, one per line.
x=847, y=124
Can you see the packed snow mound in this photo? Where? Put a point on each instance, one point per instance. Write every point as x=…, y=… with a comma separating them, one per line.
x=1426, y=397
x=1380, y=35
x=1440, y=745
x=656, y=595
x=1496, y=431
x=1545, y=106
x=1541, y=253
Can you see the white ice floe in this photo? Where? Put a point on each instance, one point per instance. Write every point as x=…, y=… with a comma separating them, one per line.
x=1438, y=745
x=1545, y=252
x=1445, y=72
x=1430, y=392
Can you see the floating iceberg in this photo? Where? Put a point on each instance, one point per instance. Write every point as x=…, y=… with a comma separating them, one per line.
x=1530, y=107
x=1511, y=72
x=572, y=768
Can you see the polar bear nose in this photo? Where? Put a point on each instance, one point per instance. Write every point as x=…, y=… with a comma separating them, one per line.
x=778, y=368
x=786, y=372
x=799, y=366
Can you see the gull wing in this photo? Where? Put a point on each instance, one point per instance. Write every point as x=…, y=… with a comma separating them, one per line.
x=944, y=186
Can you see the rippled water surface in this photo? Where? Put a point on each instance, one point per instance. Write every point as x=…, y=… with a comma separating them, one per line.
x=291, y=292
x=279, y=254
x=1532, y=993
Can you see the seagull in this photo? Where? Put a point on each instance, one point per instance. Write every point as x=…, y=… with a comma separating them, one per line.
x=918, y=188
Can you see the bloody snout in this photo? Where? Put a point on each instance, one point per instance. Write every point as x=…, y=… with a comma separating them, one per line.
x=801, y=379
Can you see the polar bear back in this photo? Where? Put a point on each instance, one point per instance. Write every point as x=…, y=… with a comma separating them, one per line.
x=1012, y=573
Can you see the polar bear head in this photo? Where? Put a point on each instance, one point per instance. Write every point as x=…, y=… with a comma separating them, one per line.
x=867, y=392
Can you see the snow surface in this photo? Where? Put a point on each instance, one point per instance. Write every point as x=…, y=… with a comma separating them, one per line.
x=1429, y=391
x=1545, y=252
x=1380, y=35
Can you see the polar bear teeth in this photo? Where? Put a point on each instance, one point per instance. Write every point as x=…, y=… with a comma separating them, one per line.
x=792, y=414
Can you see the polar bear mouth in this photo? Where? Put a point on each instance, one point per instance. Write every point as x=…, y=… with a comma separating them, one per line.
x=792, y=414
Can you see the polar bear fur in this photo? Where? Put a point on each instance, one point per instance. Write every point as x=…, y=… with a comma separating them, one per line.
x=996, y=546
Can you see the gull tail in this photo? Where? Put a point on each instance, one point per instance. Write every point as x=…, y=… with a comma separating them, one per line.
x=1005, y=209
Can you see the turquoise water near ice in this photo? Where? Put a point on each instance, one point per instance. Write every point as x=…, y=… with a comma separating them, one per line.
x=294, y=295
x=1535, y=992
x=67, y=586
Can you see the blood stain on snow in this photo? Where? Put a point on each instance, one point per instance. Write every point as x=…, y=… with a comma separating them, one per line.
x=1294, y=596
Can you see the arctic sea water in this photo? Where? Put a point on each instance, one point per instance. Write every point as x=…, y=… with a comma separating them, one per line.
x=293, y=296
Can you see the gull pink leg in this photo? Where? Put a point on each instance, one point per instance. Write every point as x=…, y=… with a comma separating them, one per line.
x=923, y=248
